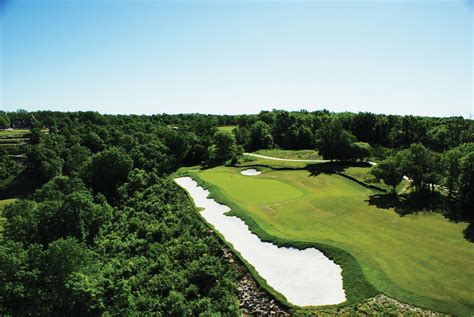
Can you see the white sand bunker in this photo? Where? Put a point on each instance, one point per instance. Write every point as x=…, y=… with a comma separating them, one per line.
x=250, y=172
x=305, y=277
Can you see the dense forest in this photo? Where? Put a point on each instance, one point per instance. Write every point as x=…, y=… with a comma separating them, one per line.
x=99, y=227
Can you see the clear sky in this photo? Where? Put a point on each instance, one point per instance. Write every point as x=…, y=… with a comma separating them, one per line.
x=405, y=57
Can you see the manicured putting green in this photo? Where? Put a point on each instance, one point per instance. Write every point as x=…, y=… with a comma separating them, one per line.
x=422, y=259
x=256, y=191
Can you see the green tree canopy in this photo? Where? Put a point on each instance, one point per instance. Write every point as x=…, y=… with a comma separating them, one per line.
x=223, y=148
x=333, y=141
x=107, y=170
x=389, y=171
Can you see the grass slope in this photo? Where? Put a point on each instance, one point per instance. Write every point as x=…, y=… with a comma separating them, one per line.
x=291, y=154
x=420, y=259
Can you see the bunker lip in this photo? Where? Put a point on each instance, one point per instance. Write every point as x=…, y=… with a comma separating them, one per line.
x=250, y=172
x=305, y=277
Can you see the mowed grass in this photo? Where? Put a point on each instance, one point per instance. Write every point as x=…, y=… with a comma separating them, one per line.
x=274, y=191
x=422, y=259
x=252, y=160
x=363, y=174
x=16, y=132
x=227, y=128
x=291, y=154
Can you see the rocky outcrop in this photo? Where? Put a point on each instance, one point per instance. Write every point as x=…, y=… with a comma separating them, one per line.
x=254, y=300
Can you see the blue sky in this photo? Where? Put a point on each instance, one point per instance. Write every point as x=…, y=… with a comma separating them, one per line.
x=405, y=57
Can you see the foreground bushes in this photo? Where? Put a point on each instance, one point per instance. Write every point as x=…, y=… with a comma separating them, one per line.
x=66, y=251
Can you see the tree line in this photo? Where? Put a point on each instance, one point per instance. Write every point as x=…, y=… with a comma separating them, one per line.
x=107, y=232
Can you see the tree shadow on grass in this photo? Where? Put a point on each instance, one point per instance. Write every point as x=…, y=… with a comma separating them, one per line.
x=400, y=204
x=469, y=232
x=426, y=202
x=22, y=185
x=327, y=168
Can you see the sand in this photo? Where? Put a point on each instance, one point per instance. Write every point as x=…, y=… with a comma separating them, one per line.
x=250, y=172
x=305, y=277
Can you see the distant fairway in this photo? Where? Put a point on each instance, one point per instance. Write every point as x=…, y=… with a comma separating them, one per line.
x=421, y=259
x=227, y=128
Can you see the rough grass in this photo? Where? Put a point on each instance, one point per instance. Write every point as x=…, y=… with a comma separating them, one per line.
x=291, y=154
x=227, y=128
x=255, y=161
x=421, y=259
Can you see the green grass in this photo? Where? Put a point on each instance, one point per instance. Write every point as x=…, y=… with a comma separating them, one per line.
x=363, y=174
x=252, y=161
x=13, y=141
x=291, y=154
x=360, y=173
x=358, y=288
x=3, y=203
x=274, y=191
x=421, y=259
x=227, y=128
x=19, y=132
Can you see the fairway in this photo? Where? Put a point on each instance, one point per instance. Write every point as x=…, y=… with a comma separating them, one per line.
x=421, y=259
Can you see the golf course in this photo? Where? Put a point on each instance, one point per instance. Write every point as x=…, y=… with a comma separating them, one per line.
x=421, y=258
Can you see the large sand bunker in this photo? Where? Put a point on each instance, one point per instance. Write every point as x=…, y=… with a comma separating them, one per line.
x=305, y=277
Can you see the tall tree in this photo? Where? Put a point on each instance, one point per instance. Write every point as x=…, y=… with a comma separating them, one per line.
x=421, y=165
x=260, y=136
x=333, y=142
x=223, y=148
x=107, y=170
x=451, y=166
x=466, y=182
x=389, y=171
x=4, y=121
